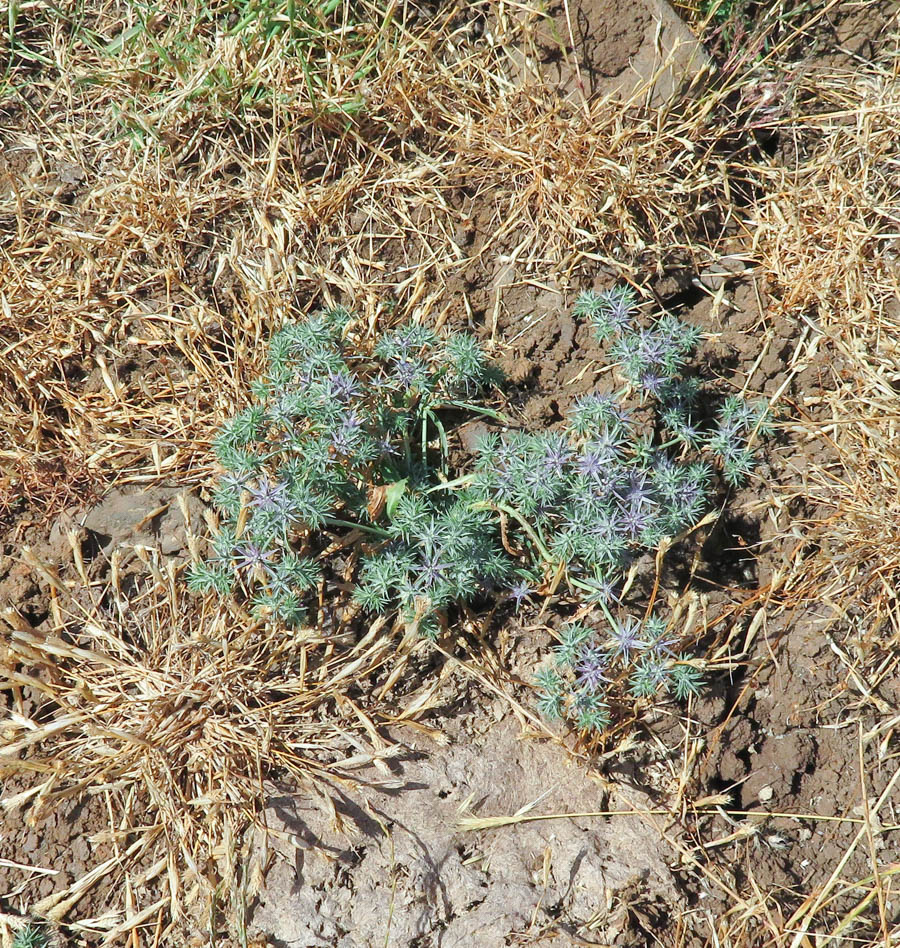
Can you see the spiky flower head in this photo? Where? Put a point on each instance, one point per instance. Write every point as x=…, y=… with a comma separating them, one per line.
x=625, y=638
x=660, y=641
x=267, y=494
x=649, y=677
x=610, y=311
x=592, y=414
x=555, y=454
x=432, y=570
x=591, y=665
x=250, y=556
x=601, y=586
x=572, y=637
x=342, y=385
x=520, y=592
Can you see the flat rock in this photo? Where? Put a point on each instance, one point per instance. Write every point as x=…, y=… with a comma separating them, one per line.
x=409, y=876
x=152, y=517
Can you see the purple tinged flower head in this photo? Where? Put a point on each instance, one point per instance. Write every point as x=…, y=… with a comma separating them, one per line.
x=652, y=381
x=602, y=405
x=590, y=666
x=343, y=386
x=655, y=671
x=650, y=346
x=604, y=587
x=607, y=441
x=504, y=482
x=233, y=480
x=610, y=310
x=268, y=495
x=737, y=413
x=595, y=413
x=385, y=448
x=690, y=432
x=250, y=555
x=534, y=477
x=556, y=453
x=520, y=592
x=663, y=645
x=406, y=373
x=638, y=491
x=606, y=522
x=625, y=638
x=430, y=534
x=594, y=408
x=433, y=570
x=689, y=493
x=592, y=464
x=404, y=341
x=619, y=305
x=635, y=520
x=607, y=483
x=347, y=435
x=729, y=430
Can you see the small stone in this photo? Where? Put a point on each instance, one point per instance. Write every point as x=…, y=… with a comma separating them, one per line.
x=171, y=543
x=765, y=794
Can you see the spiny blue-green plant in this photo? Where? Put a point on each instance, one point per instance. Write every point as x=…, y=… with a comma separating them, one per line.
x=613, y=483
x=591, y=670
x=344, y=441
x=31, y=936
x=335, y=479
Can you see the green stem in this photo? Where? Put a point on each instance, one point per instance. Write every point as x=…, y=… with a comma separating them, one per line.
x=588, y=588
x=424, y=439
x=523, y=523
x=375, y=531
x=475, y=409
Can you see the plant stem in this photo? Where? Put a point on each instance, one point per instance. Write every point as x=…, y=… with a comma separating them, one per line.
x=523, y=523
x=375, y=531
x=475, y=409
x=600, y=602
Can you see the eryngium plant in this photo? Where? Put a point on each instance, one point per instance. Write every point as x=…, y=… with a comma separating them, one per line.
x=335, y=456
x=336, y=474
x=591, y=670
x=609, y=486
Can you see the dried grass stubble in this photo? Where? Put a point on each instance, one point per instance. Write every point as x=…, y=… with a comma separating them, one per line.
x=195, y=709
